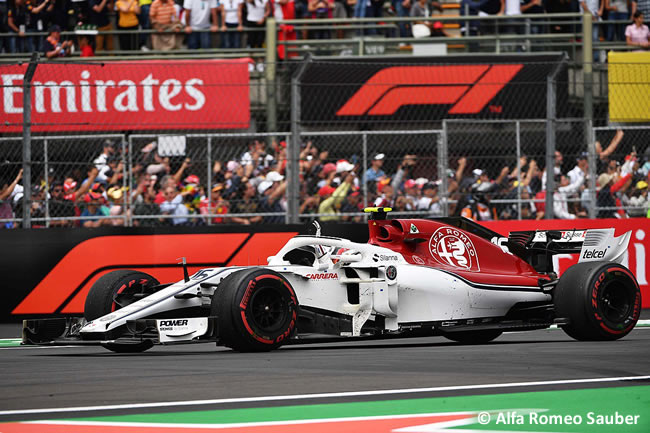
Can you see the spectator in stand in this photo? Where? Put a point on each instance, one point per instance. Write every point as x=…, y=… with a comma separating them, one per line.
x=402, y=10
x=53, y=47
x=603, y=155
x=512, y=26
x=216, y=205
x=165, y=22
x=39, y=19
x=604, y=197
x=4, y=41
x=116, y=210
x=430, y=201
x=595, y=8
x=201, y=15
x=564, y=189
x=580, y=171
x=360, y=11
x=98, y=16
x=642, y=6
x=247, y=204
x=352, y=204
x=173, y=205
x=374, y=173
x=59, y=207
x=617, y=10
x=145, y=22
x=490, y=7
x=7, y=190
x=128, y=11
x=387, y=197
x=637, y=33
x=95, y=209
x=285, y=10
x=421, y=9
x=232, y=23
x=58, y=13
x=637, y=201
x=144, y=202
x=560, y=7
x=557, y=167
x=321, y=9
x=332, y=199
x=533, y=7
x=101, y=162
x=85, y=47
x=257, y=11
x=272, y=190
x=19, y=21
x=374, y=9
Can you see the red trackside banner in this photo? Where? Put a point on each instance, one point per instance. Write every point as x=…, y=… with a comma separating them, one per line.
x=133, y=95
x=637, y=252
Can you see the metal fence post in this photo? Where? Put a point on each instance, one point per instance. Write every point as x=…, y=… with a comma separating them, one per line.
x=591, y=158
x=209, y=179
x=364, y=153
x=129, y=201
x=27, y=140
x=293, y=147
x=270, y=75
x=126, y=188
x=550, y=146
x=518, y=132
x=46, y=169
x=588, y=105
x=441, y=145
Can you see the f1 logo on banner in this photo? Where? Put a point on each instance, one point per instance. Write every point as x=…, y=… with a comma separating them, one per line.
x=468, y=87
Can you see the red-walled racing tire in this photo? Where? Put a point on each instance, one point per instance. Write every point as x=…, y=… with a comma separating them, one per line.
x=602, y=301
x=103, y=298
x=256, y=310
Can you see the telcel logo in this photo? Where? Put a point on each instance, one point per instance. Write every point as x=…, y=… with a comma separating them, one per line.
x=593, y=254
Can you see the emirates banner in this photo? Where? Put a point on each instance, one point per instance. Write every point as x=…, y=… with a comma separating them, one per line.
x=408, y=89
x=133, y=95
x=637, y=253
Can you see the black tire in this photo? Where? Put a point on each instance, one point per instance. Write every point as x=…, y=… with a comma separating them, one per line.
x=473, y=337
x=101, y=301
x=256, y=310
x=602, y=301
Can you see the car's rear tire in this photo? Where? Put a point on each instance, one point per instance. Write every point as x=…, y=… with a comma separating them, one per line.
x=473, y=337
x=601, y=300
x=103, y=298
x=256, y=309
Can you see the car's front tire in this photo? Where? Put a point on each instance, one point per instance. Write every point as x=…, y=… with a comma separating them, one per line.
x=601, y=300
x=256, y=310
x=110, y=293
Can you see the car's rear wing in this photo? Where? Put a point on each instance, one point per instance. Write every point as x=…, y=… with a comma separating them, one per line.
x=537, y=247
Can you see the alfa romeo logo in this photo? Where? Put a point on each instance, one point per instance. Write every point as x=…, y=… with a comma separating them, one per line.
x=450, y=246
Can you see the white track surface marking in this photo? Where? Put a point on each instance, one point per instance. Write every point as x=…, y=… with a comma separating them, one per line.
x=322, y=396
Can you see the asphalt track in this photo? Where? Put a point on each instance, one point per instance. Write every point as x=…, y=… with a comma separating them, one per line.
x=68, y=377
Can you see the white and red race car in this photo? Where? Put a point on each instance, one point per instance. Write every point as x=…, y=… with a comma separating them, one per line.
x=450, y=277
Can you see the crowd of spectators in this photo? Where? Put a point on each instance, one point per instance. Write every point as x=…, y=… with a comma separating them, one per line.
x=193, y=23
x=252, y=188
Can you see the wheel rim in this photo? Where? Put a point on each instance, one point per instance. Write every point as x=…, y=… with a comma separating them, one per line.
x=617, y=301
x=268, y=309
x=127, y=295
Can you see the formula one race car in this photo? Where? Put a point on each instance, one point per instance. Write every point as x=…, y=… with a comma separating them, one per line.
x=449, y=277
